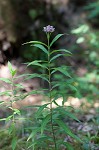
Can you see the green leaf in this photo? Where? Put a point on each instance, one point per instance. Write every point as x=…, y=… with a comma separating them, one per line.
x=54, y=117
x=61, y=50
x=39, y=111
x=54, y=70
x=56, y=103
x=11, y=128
x=56, y=56
x=16, y=111
x=2, y=102
x=5, y=93
x=33, y=145
x=55, y=99
x=41, y=142
x=34, y=132
x=23, y=75
x=12, y=71
x=34, y=92
x=34, y=62
x=55, y=39
x=67, y=130
x=68, y=145
x=6, y=80
x=35, y=42
x=42, y=48
x=44, y=122
x=67, y=113
x=14, y=143
x=72, y=87
x=10, y=67
x=62, y=70
x=19, y=86
x=9, y=118
x=35, y=75
x=37, y=63
x=3, y=119
x=56, y=85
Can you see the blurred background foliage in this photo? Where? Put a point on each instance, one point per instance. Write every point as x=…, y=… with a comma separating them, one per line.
x=22, y=21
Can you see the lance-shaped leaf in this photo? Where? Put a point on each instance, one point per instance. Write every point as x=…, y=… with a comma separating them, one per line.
x=41, y=142
x=55, y=39
x=67, y=130
x=34, y=132
x=62, y=70
x=23, y=75
x=35, y=75
x=67, y=113
x=11, y=128
x=19, y=86
x=8, y=93
x=14, y=143
x=42, y=48
x=10, y=67
x=53, y=71
x=37, y=63
x=41, y=108
x=35, y=42
x=73, y=87
x=6, y=80
x=9, y=118
x=55, y=85
x=2, y=102
x=61, y=50
x=55, y=100
x=16, y=111
x=58, y=55
x=12, y=71
x=3, y=119
x=34, y=92
x=44, y=122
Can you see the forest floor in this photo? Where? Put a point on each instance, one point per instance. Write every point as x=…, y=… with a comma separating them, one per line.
x=86, y=112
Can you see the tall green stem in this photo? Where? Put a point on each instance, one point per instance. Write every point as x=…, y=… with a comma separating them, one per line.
x=12, y=98
x=50, y=97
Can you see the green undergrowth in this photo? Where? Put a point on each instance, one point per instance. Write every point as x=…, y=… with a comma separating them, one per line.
x=90, y=138
x=6, y=139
